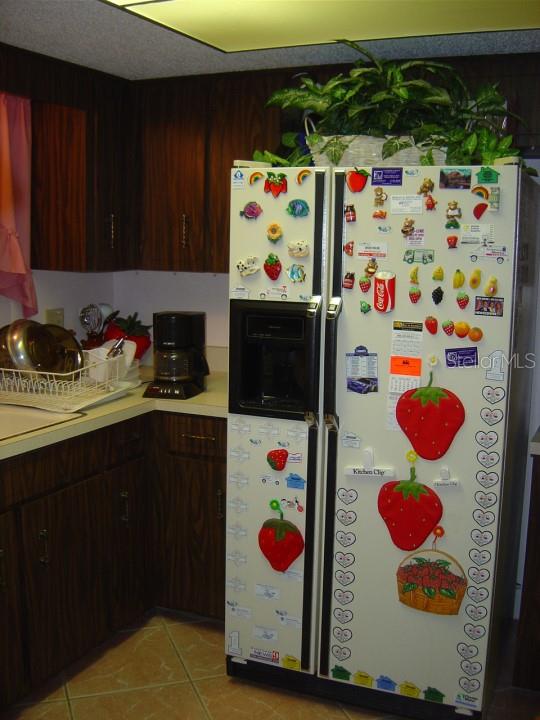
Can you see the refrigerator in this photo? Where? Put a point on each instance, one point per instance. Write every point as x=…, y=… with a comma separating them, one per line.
x=382, y=326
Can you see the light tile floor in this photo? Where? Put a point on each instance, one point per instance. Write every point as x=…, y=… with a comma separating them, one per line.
x=172, y=667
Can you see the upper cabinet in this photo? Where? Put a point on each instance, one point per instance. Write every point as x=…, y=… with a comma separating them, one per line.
x=192, y=131
x=174, y=200
x=80, y=217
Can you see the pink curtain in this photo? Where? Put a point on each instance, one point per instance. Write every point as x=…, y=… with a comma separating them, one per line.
x=16, y=280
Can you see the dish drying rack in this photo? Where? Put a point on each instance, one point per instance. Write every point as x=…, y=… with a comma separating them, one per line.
x=62, y=392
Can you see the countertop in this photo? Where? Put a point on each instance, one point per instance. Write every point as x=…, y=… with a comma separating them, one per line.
x=212, y=403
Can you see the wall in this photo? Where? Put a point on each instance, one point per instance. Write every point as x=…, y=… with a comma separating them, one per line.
x=129, y=292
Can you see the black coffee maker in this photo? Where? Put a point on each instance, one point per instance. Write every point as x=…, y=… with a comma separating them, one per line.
x=180, y=365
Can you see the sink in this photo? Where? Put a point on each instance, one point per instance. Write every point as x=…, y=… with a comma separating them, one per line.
x=17, y=420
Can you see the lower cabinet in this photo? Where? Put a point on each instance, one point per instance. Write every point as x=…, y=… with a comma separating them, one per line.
x=63, y=576
x=189, y=513
x=125, y=524
x=93, y=539
x=13, y=682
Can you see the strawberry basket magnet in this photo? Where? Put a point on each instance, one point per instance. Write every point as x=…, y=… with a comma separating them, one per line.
x=281, y=542
x=431, y=581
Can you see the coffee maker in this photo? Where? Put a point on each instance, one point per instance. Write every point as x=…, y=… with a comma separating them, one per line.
x=180, y=365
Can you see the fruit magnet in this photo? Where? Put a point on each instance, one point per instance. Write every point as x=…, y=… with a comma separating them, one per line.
x=430, y=417
x=280, y=541
x=458, y=280
x=275, y=183
x=272, y=266
x=410, y=510
x=431, y=203
x=356, y=179
x=277, y=458
x=431, y=324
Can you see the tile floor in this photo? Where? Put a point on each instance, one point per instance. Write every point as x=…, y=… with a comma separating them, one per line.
x=171, y=667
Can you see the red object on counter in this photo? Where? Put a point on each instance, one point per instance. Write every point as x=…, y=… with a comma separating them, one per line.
x=143, y=342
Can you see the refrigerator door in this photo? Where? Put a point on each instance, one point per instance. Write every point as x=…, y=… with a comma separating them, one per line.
x=277, y=233
x=271, y=511
x=407, y=593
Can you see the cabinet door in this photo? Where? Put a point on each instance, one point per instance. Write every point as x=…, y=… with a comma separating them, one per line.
x=12, y=679
x=239, y=123
x=125, y=543
x=63, y=576
x=59, y=188
x=173, y=159
x=190, y=500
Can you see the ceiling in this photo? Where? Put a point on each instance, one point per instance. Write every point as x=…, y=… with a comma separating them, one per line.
x=97, y=35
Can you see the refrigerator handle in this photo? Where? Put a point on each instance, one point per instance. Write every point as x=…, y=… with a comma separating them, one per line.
x=330, y=352
x=313, y=339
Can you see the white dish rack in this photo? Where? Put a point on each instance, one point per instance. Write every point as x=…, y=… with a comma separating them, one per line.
x=96, y=382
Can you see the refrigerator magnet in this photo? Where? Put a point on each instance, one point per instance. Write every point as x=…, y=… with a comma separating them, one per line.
x=289, y=621
x=380, y=197
x=251, y=211
x=430, y=203
x=233, y=646
x=298, y=248
x=274, y=232
x=362, y=371
x=487, y=479
x=453, y=215
x=295, y=482
x=275, y=183
x=363, y=678
x=297, y=208
x=297, y=274
x=347, y=495
x=455, y=178
x=340, y=673
x=357, y=179
x=426, y=187
x=350, y=213
x=237, y=558
x=487, y=175
x=272, y=266
x=280, y=541
x=248, y=266
x=493, y=394
x=302, y=176
x=237, y=611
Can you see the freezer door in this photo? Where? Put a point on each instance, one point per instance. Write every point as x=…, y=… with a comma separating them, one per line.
x=278, y=233
x=271, y=511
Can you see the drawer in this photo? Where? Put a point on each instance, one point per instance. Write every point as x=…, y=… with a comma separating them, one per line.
x=126, y=441
x=194, y=435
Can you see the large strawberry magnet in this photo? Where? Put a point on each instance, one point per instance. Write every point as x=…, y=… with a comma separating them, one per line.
x=281, y=541
x=410, y=509
x=430, y=417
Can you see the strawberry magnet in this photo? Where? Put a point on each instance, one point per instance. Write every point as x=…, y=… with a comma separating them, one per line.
x=281, y=542
x=275, y=183
x=272, y=266
x=277, y=458
x=430, y=417
x=410, y=509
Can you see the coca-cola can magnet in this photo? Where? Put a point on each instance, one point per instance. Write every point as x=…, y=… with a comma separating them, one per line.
x=384, y=291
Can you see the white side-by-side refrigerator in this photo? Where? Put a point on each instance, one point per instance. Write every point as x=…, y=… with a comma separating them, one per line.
x=382, y=329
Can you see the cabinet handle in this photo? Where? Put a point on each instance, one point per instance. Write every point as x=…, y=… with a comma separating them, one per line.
x=219, y=504
x=124, y=494
x=44, y=537
x=189, y=436
x=185, y=230
x=113, y=230
x=3, y=574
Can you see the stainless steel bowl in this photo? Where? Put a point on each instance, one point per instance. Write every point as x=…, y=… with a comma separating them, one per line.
x=31, y=346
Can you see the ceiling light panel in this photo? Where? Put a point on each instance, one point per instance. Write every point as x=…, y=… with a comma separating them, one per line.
x=239, y=25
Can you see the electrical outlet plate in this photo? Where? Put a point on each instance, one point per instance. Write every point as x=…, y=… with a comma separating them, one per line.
x=55, y=316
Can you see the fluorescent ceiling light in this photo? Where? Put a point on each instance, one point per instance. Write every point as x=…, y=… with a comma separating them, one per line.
x=239, y=25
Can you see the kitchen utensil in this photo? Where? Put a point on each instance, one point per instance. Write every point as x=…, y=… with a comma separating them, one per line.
x=69, y=353
x=91, y=319
x=31, y=346
x=116, y=348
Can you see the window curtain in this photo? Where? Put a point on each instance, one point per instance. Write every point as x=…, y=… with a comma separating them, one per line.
x=16, y=280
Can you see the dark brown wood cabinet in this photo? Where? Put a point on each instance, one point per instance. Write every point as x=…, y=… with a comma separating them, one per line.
x=173, y=130
x=13, y=681
x=189, y=513
x=81, y=217
x=238, y=123
x=63, y=576
x=124, y=528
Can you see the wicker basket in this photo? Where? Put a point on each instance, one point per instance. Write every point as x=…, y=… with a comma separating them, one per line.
x=438, y=603
x=365, y=150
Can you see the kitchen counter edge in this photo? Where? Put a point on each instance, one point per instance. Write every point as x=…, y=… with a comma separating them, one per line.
x=211, y=403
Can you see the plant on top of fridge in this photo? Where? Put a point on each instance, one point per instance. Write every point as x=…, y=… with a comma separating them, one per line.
x=408, y=102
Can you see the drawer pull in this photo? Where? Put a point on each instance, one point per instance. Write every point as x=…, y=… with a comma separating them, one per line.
x=3, y=576
x=189, y=436
x=185, y=231
x=124, y=494
x=44, y=537
x=219, y=503
x=113, y=219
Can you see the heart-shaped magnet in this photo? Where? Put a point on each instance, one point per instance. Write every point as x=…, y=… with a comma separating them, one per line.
x=478, y=575
x=344, y=578
x=467, y=651
x=471, y=668
x=345, y=539
x=481, y=537
x=493, y=394
x=475, y=632
x=491, y=416
x=483, y=518
x=343, y=616
x=347, y=496
x=344, y=559
x=470, y=685
x=346, y=517
x=344, y=597
x=487, y=480
x=476, y=612
x=478, y=595
x=485, y=500
x=480, y=557
x=342, y=635
x=488, y=459
x=486, y=439
x=341, y=653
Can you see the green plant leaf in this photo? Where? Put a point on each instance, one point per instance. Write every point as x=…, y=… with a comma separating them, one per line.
x=393, y=145
x=289, y=139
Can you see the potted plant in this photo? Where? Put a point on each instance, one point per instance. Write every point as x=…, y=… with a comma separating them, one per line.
x=130, y=328
x=388, y=107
